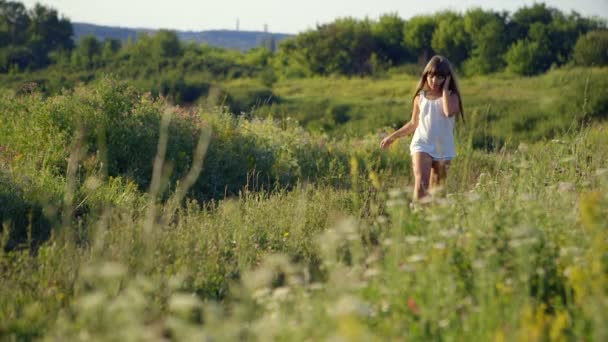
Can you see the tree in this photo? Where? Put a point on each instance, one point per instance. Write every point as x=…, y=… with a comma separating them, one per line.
x=388, y=37
x=524, y=56
x=487, y=33
x=109, y=49
x=88, y=51
x=450, y=38
x=342, y=47
x=418, y=33
x=591, y=49
x=166, y=44
x=523, y=18
x=47, y=33
x=14, y=23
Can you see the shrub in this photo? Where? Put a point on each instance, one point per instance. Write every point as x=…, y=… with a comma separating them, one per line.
x=592, y=49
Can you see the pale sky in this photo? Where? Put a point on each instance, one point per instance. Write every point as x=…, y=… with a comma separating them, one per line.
x=281, y=16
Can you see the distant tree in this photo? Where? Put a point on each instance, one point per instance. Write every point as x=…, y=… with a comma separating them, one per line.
x=166, y=44
x=110, y=48
x=523, y=18
x=289, y=61
x=418, y=34
x=450, y=37
x=342, y=47
x=564, y=32
x=388, y=37
x=15, y=58
x=488, y=40
x=87, y=52
x=47, y=32
x=14, y=23
x=524, y=57
x=591, y=49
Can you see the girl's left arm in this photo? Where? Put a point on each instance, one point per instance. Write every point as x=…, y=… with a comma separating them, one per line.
x=449, y=100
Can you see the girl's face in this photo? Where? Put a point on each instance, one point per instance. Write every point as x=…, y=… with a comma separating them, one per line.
x=435, y=80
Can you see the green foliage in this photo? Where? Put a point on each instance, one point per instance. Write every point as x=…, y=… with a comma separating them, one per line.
x=450, y=38
x=28, y=37
x=21, y=213
x=518, y=239
x=388, y=36
x=525, y=57
x=418, y=36
x=487, y=33
x=343, y=47
x=87, y=53
x=477, y=42
x=592, y=49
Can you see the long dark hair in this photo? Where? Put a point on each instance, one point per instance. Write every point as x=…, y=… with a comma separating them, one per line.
x=441, y=66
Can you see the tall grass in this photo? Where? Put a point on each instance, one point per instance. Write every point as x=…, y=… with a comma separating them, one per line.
x=514, y=248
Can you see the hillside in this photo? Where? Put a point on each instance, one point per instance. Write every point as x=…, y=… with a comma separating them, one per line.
x=319, y=243
x=239, y=40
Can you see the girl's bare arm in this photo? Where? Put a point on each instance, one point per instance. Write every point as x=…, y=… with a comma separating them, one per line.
x=406, y=129
x=450, y=101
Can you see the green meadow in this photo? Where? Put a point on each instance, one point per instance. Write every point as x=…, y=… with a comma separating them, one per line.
x=127, y=218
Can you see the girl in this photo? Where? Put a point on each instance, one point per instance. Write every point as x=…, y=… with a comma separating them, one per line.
x=436, y=102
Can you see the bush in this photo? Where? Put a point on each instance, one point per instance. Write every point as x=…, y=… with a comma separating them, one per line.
x=525, y=58
x=24, y=219
x=243, y=99
x=592, y=49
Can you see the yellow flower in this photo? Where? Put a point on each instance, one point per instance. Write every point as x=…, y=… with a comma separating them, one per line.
x=375, y=180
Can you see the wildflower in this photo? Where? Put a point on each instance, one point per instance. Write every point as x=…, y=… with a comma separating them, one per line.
x=371, y=273
x=350, y=306
x=522, y=148
x=415, y=258
x=375, y=180
x=472, y=196
x=601, y=172
x=439, y=245
x=565, y=187
x=413, y=306
x=184, y=305
x=281, y=293
x=112, y=270
x=413, y=239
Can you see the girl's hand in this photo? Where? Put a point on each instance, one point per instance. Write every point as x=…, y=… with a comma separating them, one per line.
x=386, y=142
x=446, y=83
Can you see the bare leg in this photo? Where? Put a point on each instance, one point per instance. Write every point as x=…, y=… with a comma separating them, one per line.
x=421, y=163
x=439, y=173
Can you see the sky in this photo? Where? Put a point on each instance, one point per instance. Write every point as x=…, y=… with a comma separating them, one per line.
x=280, y=16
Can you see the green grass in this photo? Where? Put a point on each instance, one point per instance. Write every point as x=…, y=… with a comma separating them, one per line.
x=502, y=108
x=514, y=247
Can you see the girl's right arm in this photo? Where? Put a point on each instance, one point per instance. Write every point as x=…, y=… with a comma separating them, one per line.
x=408, y=128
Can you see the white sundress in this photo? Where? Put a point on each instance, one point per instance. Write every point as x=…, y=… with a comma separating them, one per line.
x=435, y=132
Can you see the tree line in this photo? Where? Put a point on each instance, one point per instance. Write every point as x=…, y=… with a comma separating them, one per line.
x=529, y=41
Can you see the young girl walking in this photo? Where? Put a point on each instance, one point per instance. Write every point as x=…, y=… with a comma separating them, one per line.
x=436, y=102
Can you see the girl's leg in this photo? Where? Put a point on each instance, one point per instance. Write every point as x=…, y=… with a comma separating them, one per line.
x=439, y=172
x=421, y=163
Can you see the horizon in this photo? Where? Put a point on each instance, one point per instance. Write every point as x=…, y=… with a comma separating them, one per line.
x=224, y=16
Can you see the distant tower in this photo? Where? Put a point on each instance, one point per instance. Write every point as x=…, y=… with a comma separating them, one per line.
x=238, y=24
x=268, y=40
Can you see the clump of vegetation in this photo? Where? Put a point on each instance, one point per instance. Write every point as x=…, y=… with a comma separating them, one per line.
x=513, y=247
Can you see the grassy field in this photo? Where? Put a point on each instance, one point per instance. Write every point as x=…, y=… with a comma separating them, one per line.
x=290, y=234
x=502, y=108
